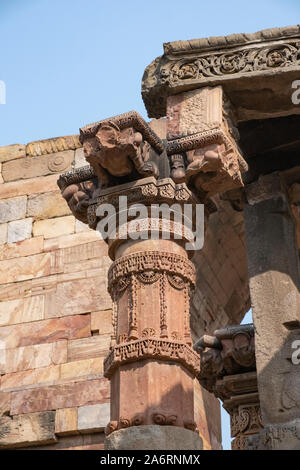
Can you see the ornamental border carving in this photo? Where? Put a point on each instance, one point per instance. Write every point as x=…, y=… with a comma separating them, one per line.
x=150, y=261
x=152, y=348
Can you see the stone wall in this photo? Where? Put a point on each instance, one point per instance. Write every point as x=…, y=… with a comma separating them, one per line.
x=55, y=317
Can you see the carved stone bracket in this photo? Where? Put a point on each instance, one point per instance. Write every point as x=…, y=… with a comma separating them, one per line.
x=118, y=148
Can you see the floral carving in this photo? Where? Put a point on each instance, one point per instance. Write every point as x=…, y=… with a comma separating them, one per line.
x=148, y=277
x=162, y=419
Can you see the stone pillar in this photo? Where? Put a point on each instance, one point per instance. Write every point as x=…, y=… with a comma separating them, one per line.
x=274, y=277
x=227, y=370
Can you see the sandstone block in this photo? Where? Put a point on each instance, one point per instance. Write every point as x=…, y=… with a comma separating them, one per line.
x=22, y=310
x=88, y=368
x=30, y=186
x=78, y=296
x=153, y=437
x=50, y=228
x=75, y=239
x=95, y=346
x=3, y=234
x=47, y=205
x=60, y=396
x=66, y=421
x=73, y=254
x=45, y=331
x=28, y=429
x=13, y=209
x=30, y=378
x=1, y=179
x=93, y=418
x=31, y=246
x=11, y=152
x=19, y=230
x=31, y=167
x=28, y=267
x=101, y=322
x=80, y=158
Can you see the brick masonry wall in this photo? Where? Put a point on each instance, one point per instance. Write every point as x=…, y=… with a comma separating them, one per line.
x=55, y=313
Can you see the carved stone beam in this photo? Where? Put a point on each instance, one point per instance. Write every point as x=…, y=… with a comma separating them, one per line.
x=118, y=148
x=227, y=369
x=202, y=142
x=245, y=65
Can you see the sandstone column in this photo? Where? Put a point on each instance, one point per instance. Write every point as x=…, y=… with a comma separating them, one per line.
x=274, y=278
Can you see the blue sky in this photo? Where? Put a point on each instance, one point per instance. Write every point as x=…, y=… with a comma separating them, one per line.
x=67, y=63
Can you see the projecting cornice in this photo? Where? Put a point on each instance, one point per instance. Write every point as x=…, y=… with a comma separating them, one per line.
x=255, y=70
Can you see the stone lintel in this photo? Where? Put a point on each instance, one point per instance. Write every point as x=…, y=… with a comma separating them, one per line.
x=244, y=64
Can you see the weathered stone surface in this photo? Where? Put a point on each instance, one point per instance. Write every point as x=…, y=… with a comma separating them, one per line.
x=33, y=357
x=93, y=441
x=273, y=261
x=101, y=322
x=31, y=167
x=3, y=234
x=47, y=205
x=244, y=64
x=29, y=186
x=93, y=418
x=86, y=348
x=13, y=209
x=153, y=437
x=78, y=296
x=31, y=246
x=28, y=267
x=86, y=368
x=31, y=378
x=277, y=437
x=25, y=310
x=60, y=396
x=75, y=239
x=50, y=228
x=4, y=403
x=66, y=421
x=81, y=227
x=11, y=152
x=1, y=179
x=53, y=145
x=45, y=331
x=19, y=230
x=28, y=429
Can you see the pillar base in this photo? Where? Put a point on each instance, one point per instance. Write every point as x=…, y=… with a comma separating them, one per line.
x=153, y=437
x=276, y=437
